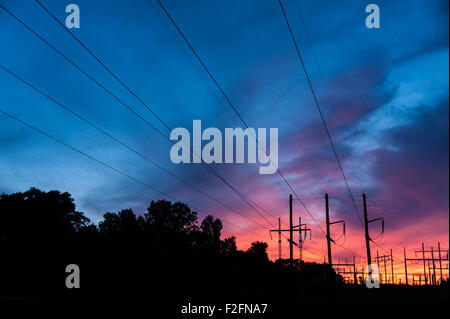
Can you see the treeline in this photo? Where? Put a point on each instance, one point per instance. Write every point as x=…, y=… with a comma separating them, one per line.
x=165, y=253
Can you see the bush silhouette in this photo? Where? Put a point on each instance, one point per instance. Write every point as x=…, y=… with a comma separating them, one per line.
x=166, y=253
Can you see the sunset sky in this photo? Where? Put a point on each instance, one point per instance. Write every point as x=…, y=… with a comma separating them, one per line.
x=388, y=114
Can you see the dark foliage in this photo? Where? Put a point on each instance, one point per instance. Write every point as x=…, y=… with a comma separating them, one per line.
x=164, y=255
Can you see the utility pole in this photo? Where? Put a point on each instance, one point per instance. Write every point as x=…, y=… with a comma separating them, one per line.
x=329, y=239
x=378, y=264
x=430, y=278
x=366, y=228
x=392, y=268
x=348, y=271
x=434, y=267
x=440, y=262
x=291, y=238
x=386, y=258
x=327, y=214
x=291, y=231
x=366, y=231
x=424, y=266
x=301, y=229
x=279, y=238
x=406, y=267
x=300, y=240
x=426, y=261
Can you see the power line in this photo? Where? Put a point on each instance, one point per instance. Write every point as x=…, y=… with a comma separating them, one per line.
x=202, y=63
x=312, y=252
x=185, y=52
x=377, y=244
x=140, y=100
x=216, y=83
x=320, y=111
x=244, y=197
x=259, y=206
x=232, y=106
x=106, y=67
x=111, y=167
x=208, y=167
x=83, y=71
x=166, y=25
x=330, y=100
x=351, y=252
x=123, y=144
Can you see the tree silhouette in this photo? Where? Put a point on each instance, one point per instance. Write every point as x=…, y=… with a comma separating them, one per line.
x=36, y=218
x=164, y=216
x=258, y=249
x=228, y=246
x=124, y=222
x=211, y=227
x=167, y=254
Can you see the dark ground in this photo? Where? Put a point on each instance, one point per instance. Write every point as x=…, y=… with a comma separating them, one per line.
x=164, y=260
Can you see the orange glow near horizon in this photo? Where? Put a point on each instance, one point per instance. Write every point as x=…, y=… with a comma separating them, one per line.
x=409, y=236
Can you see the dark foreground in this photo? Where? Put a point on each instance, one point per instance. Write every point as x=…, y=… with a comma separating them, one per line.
x=165, y=262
